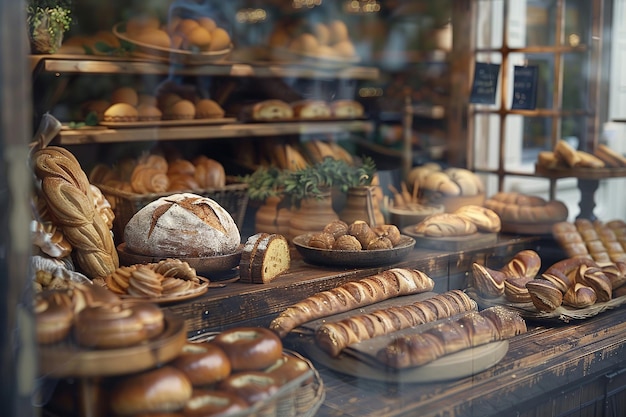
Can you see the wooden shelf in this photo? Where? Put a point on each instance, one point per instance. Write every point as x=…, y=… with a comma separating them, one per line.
x=234, y=130
x=580, y=173
x=91, y=64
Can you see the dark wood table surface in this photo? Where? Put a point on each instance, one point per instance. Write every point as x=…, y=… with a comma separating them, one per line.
x=553, y=367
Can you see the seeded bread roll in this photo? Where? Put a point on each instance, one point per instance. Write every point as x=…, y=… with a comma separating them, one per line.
x=182, y=225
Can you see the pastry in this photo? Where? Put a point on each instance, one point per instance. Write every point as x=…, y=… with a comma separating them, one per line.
x=208, y=109
x=311, y=109
x=126, y=95
x=346, y=109
x=271, y=110
x=180, y=110
x=121, y=112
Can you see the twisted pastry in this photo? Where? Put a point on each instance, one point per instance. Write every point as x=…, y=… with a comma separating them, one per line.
x=175, y=268
x=68, y=194
x=144, y=282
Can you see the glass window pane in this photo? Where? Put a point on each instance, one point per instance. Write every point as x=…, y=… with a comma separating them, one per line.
x=540, y=22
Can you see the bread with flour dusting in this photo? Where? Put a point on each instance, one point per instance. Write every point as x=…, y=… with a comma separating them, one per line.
x=182, y=225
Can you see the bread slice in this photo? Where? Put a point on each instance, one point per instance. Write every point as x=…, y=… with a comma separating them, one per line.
x=264, y=257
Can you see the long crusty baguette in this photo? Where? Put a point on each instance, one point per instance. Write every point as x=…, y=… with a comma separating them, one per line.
x=385, y=285
x=333, y=337
x=472, y=329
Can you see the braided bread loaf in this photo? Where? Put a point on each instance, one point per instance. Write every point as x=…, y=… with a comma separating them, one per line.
x=69, y=197
x=333, y=337
x=385, y=285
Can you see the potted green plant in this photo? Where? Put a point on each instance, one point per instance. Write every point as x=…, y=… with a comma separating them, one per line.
x=47, y=20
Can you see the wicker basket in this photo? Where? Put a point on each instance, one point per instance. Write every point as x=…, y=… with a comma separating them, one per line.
x=233, y=198
x=301, y=397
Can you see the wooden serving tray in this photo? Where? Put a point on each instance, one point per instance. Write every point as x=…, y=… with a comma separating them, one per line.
x=452, y=243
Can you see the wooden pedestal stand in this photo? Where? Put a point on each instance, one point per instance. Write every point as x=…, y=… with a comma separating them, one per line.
x=68, y=360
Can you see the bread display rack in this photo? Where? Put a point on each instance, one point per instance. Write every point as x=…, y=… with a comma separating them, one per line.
x=89, y=64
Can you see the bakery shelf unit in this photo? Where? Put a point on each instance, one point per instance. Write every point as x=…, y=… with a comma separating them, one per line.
x=95, y=65
x=563, y=41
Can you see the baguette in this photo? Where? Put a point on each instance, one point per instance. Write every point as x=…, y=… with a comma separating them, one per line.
x=473, y=329
x=333, y=337
x=385, y=285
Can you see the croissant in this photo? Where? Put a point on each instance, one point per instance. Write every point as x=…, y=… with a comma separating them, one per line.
x=473, y=329
x=525, y=264
x=385, y=285
x=333, y=337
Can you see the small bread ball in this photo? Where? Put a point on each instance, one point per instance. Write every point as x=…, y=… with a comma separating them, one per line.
x=338, y=32
x=140, y=23
x=199, y=38
x=305, y=43
x=185, y=26
x=322, y=33
x=345, y=49
x=220, y=41
x=207, y=23
x=155, y=37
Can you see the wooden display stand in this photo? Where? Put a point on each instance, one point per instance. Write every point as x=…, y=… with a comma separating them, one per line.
x=67, y=360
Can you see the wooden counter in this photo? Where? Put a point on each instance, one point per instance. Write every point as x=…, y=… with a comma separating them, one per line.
x=553, y=370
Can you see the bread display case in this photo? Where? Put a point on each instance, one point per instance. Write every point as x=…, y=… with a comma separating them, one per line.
x=154, y=286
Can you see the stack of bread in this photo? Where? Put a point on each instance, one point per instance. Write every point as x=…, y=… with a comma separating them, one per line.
x=450, y=187
x=602, y=242
x=533, y=212
x=464, y=221
x=153, y=173
x=279, y=110
x=356, y=236
x=323, y=40
x=94, y=317
x=127, y=104
x=198, y=34
x=574, y=282
x=239, y=371
x=564, y=155
x=166, y=278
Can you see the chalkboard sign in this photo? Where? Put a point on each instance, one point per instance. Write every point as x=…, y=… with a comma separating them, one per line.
x=525, y=87
x=485, y=83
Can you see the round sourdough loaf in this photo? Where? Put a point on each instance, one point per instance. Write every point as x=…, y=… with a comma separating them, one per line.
x=182, y=225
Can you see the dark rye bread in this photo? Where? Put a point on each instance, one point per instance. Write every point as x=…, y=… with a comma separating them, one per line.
x=264, y=257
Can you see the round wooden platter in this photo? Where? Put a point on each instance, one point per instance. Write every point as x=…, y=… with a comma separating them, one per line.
x=450, y=367
x=144, y=50
x=67, y=359
x=212, y=267
x=352, y=258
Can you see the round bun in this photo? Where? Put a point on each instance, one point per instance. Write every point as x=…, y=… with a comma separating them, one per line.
x=305, y=44
x=209, y=173
x=208, y=109
x=151, y=316
x=336, y=228
x=154, y=37
x=207, y=23
x=251, y=386
x=390, y=231
x=347, y=242
x=338, y=32
x=181, y=110
x=345, y=49
x=288, y=368
x=220, y=41
x=203, y=363
x=206, y=403
x=199, y=38
x=125, y=95
x=250, y=348
x=182, y=225
x=108, y=327
x=163, y=389
x=53, y=317
x=148, y=113
x=121, y=112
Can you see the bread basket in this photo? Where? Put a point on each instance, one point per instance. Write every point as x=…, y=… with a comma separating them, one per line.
x=233, y=197
x=301, y=397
